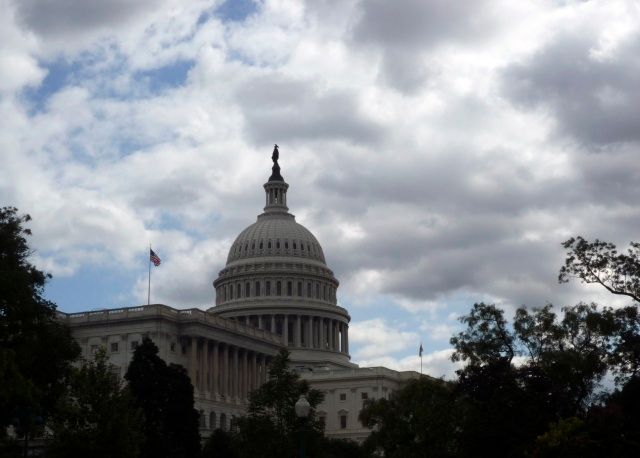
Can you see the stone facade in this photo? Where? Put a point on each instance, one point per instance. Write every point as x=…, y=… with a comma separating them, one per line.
x=275, y=291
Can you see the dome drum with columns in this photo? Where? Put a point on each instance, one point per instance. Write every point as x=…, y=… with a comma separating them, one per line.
x=276, y=279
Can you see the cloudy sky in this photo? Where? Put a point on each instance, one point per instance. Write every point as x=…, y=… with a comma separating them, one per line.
x=440, y=150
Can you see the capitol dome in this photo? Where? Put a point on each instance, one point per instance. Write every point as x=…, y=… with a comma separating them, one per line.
x=276, y=278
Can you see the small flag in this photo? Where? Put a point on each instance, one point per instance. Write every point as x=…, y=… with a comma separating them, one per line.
x=154, y=258
x=420, y=351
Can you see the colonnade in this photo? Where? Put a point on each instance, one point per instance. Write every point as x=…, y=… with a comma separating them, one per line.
x=224, y=371
x=304, y=331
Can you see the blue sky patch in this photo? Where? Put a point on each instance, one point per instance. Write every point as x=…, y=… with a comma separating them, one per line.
x=236, y=10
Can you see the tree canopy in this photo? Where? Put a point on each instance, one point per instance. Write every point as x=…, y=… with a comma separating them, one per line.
x=35, y=350
x=165, y=395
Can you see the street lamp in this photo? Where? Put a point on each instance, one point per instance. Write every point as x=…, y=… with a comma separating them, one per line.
x=302, y=412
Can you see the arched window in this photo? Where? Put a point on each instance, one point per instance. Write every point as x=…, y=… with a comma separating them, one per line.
x=269, y=244
x=212, y=420
x=246, y=247
x=302, y=246
x=295, y=247
x=317, y=290
x=261, y=244
x=309, y=289
x=324, y=292
x=223, y=421
x=247, y=289
x=202, y=420
x=277, y=244
x=286, y=244
x=239, y=290
x=230, y=292
x=257, y=288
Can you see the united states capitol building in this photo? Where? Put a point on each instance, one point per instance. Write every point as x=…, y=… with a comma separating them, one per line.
x=276, y=290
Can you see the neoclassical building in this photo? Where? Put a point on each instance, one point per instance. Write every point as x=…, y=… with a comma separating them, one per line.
x=275, y=291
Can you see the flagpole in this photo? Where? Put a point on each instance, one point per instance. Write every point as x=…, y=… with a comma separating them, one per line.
x=149, y=287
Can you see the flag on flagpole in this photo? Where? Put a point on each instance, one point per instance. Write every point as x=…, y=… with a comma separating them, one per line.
x=154, y=258
x=420, y=351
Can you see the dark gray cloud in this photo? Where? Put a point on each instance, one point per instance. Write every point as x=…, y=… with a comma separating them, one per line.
x=595, y=99
x=65, y=18
x=276, y=107
x=418, y=23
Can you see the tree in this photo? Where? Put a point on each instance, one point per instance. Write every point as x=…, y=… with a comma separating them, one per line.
x=165, y=396
x=35, y=350
x=96, y=416
x=599, y=262
x=271, y=428
x=420, y=419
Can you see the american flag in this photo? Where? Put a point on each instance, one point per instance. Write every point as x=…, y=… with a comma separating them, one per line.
x=154, y=258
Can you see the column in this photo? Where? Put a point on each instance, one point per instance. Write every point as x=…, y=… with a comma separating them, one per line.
x=298, y=331
x=337, y=335
x=346, y=338
x=285, y=330
x=236, y=378
x=273, y=323
x=245, y=374
x=260, y=322
x=216, y=369
x=225, y=370
x=206, y=375
x=322, y=336
x=254, y=371
x=309, y=332
x=193, y=361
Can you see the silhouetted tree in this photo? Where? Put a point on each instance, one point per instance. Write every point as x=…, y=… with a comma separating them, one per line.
x=165, y=396
x=35, y=350
x=599, y=262
x=96, y=417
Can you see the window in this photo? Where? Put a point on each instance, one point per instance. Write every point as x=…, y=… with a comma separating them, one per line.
x=202, y=419
x=302, y=246
x=230, y=291
x=299, y=288
x=289, y=288
x=184, y=349
x=323, y=421
x=114, y=347
x=295, y=247
x=261, y=245
x=253, y=245
x=286, y=244
x=268, y=293
x=94, y=349
x=223, y=421
x=247, y=289
x=239, y=290
x=317, y=290
x=257, y=288
x=278, y=244
x=134, y=344
x=173, y=346
x=343, y=396
x=364, y=396
x=269, y=244
x=308, y=289
x=212, y=420
x=343, y=422
x=279, y=288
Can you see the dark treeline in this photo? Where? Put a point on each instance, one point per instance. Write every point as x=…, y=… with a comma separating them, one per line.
x=547, y=383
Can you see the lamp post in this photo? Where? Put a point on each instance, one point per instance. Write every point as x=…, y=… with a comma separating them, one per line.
x=302, y=412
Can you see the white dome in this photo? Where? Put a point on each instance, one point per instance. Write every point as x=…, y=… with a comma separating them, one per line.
x=276, y=235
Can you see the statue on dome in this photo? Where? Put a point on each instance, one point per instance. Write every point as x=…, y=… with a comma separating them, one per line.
x=275, y=175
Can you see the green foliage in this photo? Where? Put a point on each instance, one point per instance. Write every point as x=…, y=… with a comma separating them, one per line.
x=35, y=350
x=96, y=417
x=165, y=396
x=599, y=262
x=418, y=420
